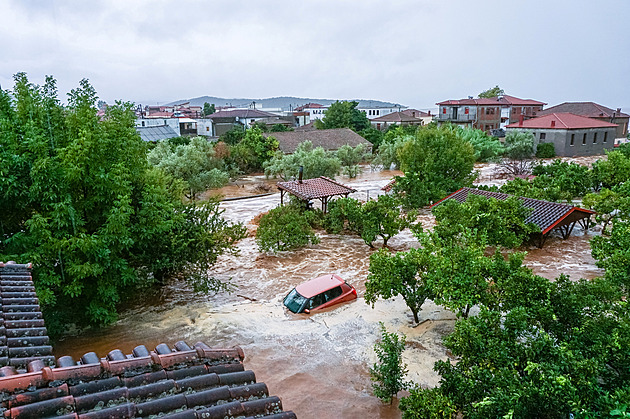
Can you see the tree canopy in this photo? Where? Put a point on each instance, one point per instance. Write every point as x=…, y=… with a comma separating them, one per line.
x=436, y=162
x=316, y=162
x=343, y=115
x=80, y=201
x=492, y=92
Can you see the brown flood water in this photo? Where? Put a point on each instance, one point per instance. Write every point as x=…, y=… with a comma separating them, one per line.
x=317, y=364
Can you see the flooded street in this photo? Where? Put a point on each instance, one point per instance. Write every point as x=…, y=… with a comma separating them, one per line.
x=317, y=364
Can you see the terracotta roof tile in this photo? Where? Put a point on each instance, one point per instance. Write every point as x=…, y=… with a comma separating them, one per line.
x=587, y=109
x=328, y=139
x=561, y=121
x=23, y=336
x=180, y=382
x=315, y=188
x=546, y=215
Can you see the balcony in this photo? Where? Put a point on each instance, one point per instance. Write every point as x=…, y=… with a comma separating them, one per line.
x=443, y=117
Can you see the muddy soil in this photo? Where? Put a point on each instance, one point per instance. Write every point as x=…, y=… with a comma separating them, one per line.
x=317, y=364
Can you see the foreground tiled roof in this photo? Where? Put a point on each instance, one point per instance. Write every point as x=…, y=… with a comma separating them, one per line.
x=315, y=188
x=23, y=336
x=179, y=383
x=328, y=139
x=562, y=121
x=588, y=109
x=156, y=133
x=546, y=215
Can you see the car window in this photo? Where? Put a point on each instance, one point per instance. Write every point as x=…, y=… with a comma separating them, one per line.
x=294, y=301
x=333, y=293
x=317, y=301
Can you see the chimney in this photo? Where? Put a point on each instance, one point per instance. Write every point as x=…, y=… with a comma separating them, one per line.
x=300, y=173
x=553, y=123
x=520, y=120
x=618, y=111
x=429, y=112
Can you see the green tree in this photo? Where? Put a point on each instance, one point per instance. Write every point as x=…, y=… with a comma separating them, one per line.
x=208, y=109
x=436, y=162
x=373, y=135
x=427, y=403
x=612, y=171
x=492, y=92
x=389, y=151
x=388, y=374
x=97, y=223
x=486, y=148
x=234, y=136
x=315, y=161
x=545, y=150
x=403, y=274
x=194, y=163
x=519, y=145
x=343, y=115
x=382, y=217
x=286, y=228
x=494, y=221
x=351, y=157
x=254, y=150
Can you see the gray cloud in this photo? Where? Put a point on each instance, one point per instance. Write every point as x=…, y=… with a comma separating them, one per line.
x=411, y=52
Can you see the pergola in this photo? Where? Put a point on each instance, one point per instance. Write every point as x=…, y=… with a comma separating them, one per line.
x=548, y=216
x=321, y=188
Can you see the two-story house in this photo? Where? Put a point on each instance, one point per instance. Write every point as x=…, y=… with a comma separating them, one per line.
x=595, y=111
x=487, y=113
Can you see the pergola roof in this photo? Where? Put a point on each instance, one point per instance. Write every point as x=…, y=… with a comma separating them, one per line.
x=546, y=215
x=316, y=188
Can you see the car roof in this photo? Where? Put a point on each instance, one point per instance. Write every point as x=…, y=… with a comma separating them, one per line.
x=319, y=285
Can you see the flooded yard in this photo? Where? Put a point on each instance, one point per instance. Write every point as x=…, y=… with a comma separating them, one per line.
x=317, y=364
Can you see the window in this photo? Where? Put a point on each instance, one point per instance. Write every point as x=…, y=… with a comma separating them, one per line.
x=378, y=112
x=142, y=123
x=207, y=128
x=595, y=138
x=333, y=293
x=543, y=135
x=572, y=139
x=606, y=136
x=584, y=139
x=465, y=111
x=444, y=110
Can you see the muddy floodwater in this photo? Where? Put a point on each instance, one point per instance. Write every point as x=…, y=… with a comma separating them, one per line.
x=317, y=364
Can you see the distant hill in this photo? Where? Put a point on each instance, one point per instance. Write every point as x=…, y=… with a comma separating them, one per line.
x=285, y=102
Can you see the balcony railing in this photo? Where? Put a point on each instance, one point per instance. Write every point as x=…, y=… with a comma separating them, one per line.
x=458, y=118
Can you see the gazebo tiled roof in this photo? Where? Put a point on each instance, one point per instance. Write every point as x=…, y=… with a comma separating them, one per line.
x=546, y=215
x=321, y=188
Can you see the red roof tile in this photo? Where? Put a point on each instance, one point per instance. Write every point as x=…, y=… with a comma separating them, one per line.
x=587, y=109
x=504, y=100
x=182, y=382
x=315, y=188
x=562, y=121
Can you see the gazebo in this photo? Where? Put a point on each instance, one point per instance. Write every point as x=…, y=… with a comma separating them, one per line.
x=321, y=188
x=548, y=216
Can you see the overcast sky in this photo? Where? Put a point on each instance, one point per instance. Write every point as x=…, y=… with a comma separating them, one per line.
x=414, y=53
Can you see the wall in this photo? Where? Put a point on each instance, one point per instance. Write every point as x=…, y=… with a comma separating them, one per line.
x=561, y=138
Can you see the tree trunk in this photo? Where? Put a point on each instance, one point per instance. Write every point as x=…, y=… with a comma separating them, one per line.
x=415, y=315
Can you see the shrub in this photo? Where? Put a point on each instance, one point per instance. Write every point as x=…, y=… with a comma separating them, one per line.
x=286, y=228
x=388, y=374
x=545, y=151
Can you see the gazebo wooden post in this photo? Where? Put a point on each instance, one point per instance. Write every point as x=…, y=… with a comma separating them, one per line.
x=281, y=197
x=325, y=204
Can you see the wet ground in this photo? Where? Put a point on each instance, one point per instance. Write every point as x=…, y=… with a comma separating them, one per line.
x=317, y=364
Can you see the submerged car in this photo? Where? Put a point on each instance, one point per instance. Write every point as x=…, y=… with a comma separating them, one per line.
x=319, y=293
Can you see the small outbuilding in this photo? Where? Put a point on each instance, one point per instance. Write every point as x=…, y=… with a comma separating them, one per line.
x=548, y=216
x=321, y=188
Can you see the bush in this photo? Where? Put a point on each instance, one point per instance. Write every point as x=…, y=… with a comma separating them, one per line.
x=427, y=403
x=315, y=161
x=545, y=150
x=286, y=228
x=388, y=374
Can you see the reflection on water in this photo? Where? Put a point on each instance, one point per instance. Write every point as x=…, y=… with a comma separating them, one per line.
x=317, y=364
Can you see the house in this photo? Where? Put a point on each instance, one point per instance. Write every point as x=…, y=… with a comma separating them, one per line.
x=572, y=135
x=426, y=117
x=595, y=111
x=156, y=133
x=176, y=381
x=313, y=110
x=181, y=126
x=223, y=121
x=487, y=113
x=395, y=118
x=328, y=139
